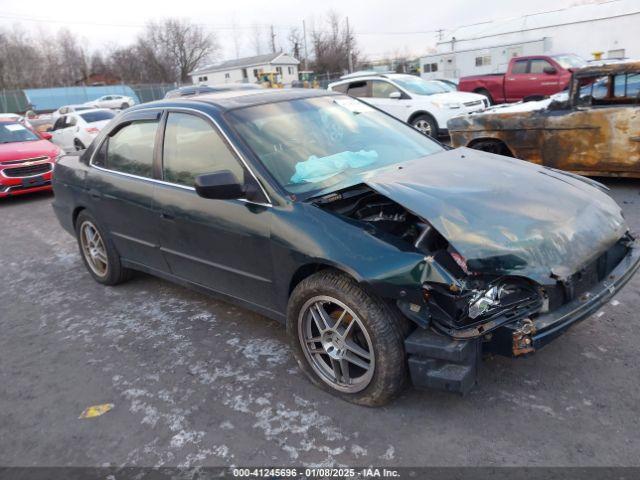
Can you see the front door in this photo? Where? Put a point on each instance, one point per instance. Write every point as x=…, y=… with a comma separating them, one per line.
x=121, y=185
x=220, y=244
x=601, y=133
x=540, y=81
x=389, y=98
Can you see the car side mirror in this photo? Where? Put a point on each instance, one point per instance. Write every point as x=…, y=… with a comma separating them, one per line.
x=550, y=70
x=222, y=185
x=395, y=95
x=46, y=136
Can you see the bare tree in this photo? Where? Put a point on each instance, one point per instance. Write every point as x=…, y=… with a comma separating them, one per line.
x=331, y=45
x=176, y=47
x=258, y=39
x=295, y=42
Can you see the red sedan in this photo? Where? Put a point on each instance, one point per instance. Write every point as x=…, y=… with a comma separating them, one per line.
x=26, y=159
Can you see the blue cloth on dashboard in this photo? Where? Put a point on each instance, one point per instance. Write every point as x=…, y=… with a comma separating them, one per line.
x=316, y=169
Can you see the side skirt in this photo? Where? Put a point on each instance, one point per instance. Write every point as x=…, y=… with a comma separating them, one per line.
x=272, y=314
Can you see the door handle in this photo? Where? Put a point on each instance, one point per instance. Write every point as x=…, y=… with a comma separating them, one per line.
x=166, y=216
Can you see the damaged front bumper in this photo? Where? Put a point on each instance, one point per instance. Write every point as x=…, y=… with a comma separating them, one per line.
x=440, y=362
x=529, y=335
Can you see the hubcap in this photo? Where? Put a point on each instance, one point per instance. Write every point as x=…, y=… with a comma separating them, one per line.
x=423, y=126
x=93, y=249
x=336, y=344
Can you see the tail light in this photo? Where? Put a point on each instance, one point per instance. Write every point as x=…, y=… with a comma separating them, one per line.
x=92, y=130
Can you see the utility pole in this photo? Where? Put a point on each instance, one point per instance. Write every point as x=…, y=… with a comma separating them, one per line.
x=304, y=36
x=349, y=59
x=273, y=40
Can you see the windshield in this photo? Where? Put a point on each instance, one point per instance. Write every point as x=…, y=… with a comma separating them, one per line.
x=419, y=86
x=15, y=132
x=570, y=61
x=313, y=144
x=98, y=116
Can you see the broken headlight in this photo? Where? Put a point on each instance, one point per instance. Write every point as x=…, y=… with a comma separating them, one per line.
x=500, y=298
x=481, y=301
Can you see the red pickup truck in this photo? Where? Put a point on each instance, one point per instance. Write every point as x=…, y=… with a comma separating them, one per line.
x=527, y=78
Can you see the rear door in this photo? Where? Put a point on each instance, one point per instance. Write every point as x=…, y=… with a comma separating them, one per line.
x=64, y=130
x=223, y=245
x=121, y=185
x=515, y=81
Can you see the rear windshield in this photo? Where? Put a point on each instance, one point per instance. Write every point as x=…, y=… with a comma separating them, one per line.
x=15, y=132
x=91, y=117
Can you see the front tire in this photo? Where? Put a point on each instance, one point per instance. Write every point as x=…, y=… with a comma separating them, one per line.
x=425, y=124
x=345, y=340
x=98, y=253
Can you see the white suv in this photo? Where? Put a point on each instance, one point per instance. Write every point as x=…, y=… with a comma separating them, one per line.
x=426, y=105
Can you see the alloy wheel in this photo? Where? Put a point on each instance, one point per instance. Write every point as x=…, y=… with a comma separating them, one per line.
x=336, y=344
x=423, y=126
x=93, y=249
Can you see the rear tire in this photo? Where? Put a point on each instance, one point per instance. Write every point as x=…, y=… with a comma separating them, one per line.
x=493, y=146
x=425, y=124
x=98, y=253
x=124, y=106
x=358, y=353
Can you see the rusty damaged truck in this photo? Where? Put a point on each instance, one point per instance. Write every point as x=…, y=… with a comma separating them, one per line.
x=593, y=129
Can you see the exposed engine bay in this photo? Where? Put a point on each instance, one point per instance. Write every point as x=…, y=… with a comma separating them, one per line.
x=468, y=306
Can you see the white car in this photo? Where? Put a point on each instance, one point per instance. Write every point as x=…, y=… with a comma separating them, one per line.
x=77, y=130
x=67, y=109
x=17, y=118
x=426, y=105
x=112, y=101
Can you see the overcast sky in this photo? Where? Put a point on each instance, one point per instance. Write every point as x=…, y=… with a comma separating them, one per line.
x=382, y=26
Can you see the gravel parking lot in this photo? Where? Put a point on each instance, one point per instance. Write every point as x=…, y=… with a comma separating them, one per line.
x=195, y=381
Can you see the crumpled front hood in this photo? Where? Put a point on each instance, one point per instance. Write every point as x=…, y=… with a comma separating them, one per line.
x=506, y=216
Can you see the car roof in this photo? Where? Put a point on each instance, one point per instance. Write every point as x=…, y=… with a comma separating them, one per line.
x=233, y=99
x=354, y=77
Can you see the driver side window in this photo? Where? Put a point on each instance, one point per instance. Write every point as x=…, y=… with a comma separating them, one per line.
x=193, y=147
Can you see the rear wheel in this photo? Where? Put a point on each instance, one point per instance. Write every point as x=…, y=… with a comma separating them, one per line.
x=425, y=124
x=98, y=253
x=124, y=106
x=345, y=340
x=492, y=146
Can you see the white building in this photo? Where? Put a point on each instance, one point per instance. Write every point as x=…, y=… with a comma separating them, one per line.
x=248, y=70
x=611, y=28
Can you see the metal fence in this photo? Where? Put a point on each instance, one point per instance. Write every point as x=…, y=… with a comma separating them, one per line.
x=49, y=99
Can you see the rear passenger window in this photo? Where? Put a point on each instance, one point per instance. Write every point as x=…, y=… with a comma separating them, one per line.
x=130, y=150
x=358, y=89
x=340, y=88
x=192, y=147
x=520, y=66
